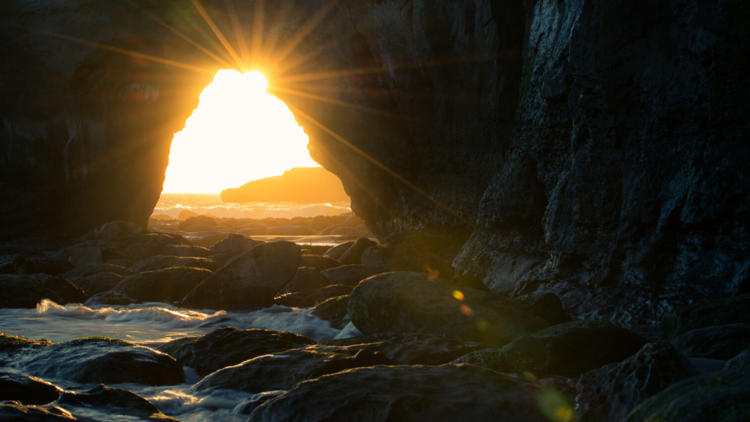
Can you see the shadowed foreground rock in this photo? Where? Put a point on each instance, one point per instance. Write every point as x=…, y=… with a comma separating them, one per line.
x=229, y=346
x=26, y=390
x=162, y=262
x=169, y=285
x=568, y=349
x=407, y=393
x=709, y=313
x=112, y=401
x=611, y=392
x=18, y=291
x=282, y=371
x=99, y=360
x=720, y=397
x=249, y=281
x=410, y=302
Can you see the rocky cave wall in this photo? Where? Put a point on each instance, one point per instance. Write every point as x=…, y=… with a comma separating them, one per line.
x=593, y=148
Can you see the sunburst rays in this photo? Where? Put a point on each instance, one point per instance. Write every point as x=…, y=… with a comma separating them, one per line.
x=280, y=63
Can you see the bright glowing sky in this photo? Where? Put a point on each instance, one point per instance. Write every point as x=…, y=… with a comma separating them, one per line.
x=237, y=134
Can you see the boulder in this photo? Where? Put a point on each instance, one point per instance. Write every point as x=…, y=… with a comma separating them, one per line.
x=412, y=302
x=300, y=221
x=409, y=393
x=353, y=255
x=329, y=230
x=111, y=299
x=120, y=262
x=611, y=392
x=85, y=255
x=282, y=371
x=113, y=401
x=320, y=263
x=547, y=306
x=10, y=344
x=334, y=310
x=113, y=230
x=52, y=265
x=338, y=250
x=26, y=390
x=185, y=214
x=305, y=279
x=88, y=270
x=97, y=283
x=312, y=297
x=163, y=262
x=731, y=310
x=229, y=346
x=99, y=360
x=314, y=249
x=253, y=230
x=719, y=342
x=423, y=242
x=20, y=413
x=405, y=258
x=568, y=350
x=719, y=397
x=740, y=361
x=202, y=228
x=169, y=285
x=65, y=290
x=249, y=281
x=197, y=220
x=349, y=275
x=235, y=244
x=468, y=281
x=289, y=231
x=19, y=291
x=139, y=251
x=409, y=349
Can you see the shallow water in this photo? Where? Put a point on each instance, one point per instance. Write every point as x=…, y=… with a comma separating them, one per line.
x=173, y=204
x=152, y=324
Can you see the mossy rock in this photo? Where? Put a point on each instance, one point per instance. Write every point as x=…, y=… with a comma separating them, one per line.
x=720, y=397
x=168, y=285
x=18, y=291
x=172, y=348
x=731, y=310
x=9, y=342
x=91, y=269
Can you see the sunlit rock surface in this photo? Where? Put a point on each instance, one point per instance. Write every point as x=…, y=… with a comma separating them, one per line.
x=595, y=149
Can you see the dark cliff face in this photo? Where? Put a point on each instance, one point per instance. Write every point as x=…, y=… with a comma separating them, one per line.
x=593, y=148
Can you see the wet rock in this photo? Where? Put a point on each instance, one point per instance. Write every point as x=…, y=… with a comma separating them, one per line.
x=97, y=283
x=88, y=270
x=282, y=371
x=289, y=231
x=7, y=264
x=410, y=302
x=185, y=214
x=611, y=392
x=113, y=401
x=110, y=298
x=113, y=230
x=720, y=397
x=430, y=243
x=449, y=253
x=407, y=393
x=120, y=262
x=353, y=255
x=52, y=265
x=11, y=344
x=305, y=279
x=320, y=263
x=338, y=250
x=235, y=244
x=314, y=249
x=568, y=350
x=740, y=361
x=468, y=281
x=18, y=291
x=101, y=361
x=229, y=346
x=349, y=275
x=169, y=285
x=65, y=290
x=334, y=310
x=409, y=349
x=732, y=310
x=547, y=306
x=312, y=297
x=21, y=413
x=86, y=255
x=163, y=262
x=138, y=251
x=719, y=342
x=249, y=281
x=197, y=220
x=405, y=258
x=26, y=390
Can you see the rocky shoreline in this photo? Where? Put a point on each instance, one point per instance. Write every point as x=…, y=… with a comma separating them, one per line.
x=427, y=344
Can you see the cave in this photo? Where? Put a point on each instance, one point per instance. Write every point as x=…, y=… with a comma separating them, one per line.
x=596, y=150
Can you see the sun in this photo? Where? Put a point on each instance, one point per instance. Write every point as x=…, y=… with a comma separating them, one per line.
x=238, y=133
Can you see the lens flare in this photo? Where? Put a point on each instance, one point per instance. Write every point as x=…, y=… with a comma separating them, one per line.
x=458, y=295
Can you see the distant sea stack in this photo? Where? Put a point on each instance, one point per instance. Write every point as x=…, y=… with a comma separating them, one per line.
x=303, y=184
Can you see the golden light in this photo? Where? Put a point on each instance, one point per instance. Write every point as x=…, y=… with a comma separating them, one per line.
x=458, y=295
x=466, y=310
x=238, y=133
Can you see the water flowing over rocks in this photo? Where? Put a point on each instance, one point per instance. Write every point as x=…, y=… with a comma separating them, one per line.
x=250, y=280
x=229, y=346
x=112, y=401
x=411, y=302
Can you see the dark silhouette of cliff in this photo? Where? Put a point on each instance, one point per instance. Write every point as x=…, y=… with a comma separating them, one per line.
x=303, y=184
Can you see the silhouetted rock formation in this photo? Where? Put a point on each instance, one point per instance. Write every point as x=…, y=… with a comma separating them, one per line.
x=302, y=184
